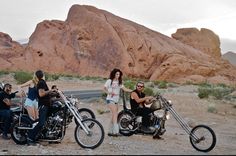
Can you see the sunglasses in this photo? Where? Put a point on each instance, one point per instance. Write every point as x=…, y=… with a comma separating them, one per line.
x=140, y=86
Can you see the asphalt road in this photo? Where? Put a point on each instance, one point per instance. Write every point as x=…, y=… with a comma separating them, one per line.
x=81, y=94
x=84, y=94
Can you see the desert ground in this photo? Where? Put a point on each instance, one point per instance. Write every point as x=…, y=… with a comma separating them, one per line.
x=176, y=141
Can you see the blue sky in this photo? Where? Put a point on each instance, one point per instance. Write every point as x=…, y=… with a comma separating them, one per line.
x=18, y=18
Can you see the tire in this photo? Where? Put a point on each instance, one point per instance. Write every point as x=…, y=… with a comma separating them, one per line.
x=85, y=114
x=207, y=135
x=94, y=138
x=17, y=135
x=125, y=122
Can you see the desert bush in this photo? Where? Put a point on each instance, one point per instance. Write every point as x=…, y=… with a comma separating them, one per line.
x=203, y=92
x=51, y=77
x=211, y=108
x=3, y=72
x=205, y=84
x=104, y=95
x=218, y=91
x=148, y=91
x=22, y=77
x=161, y=84
x=130, y=84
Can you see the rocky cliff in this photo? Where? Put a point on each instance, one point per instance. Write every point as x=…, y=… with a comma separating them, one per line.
x=92, y=42
x=231, y=57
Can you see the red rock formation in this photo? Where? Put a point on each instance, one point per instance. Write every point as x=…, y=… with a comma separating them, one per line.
x=92, y=42
x=9, y=50
x=204, y=40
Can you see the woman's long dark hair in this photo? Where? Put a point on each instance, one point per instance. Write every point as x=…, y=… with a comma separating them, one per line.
x=113, y=74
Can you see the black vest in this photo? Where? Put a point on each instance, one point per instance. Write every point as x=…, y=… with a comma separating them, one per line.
x=134, y=105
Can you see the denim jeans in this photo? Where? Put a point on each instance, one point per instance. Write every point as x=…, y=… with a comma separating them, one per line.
x=43, y=114
x=145, y=113
x=7, y=117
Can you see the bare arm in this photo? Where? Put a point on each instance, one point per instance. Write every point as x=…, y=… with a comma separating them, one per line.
x=7, y=101
x=43, y=92
x=25, y=84
x=126, y=89
x=137, y=99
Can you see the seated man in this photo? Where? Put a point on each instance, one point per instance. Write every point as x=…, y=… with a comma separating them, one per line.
x=137, y=102
x=5, y=112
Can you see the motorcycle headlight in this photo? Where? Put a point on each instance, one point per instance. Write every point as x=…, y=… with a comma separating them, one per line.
x=167, y=116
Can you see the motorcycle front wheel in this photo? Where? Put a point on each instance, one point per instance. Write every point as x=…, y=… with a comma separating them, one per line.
x=203, y=138
x=85, y=113
x=92, y=139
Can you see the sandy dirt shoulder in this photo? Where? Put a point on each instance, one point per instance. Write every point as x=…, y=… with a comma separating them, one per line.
x=176, y=141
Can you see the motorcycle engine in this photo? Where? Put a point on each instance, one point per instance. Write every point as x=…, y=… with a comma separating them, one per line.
x=53, y=128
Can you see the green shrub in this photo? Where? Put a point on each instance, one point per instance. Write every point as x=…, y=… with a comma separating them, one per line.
x=52, y=77
x=203, y=92
x=148, y=91
x=3, y=72
x=218, y=91
x=212, y=108
x=104, y=95
x=205, y=84
x=22, y=77
x=162, y=85
x=130, y=84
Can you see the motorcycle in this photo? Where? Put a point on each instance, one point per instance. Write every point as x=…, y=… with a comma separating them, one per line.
x=130, y=124
x=89, y=133
x=202, y=137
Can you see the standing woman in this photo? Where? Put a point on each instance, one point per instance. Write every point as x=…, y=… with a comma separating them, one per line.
x=112, y=88
x=31, y=102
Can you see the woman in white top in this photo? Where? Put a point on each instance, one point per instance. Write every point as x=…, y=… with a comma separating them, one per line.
x=112, y=88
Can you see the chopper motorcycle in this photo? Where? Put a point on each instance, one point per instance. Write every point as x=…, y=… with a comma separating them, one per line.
x=89, y=133
x=202, y=137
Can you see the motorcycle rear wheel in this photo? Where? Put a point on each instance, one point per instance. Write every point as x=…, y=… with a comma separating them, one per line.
x=95, y=136
x=19, y=136
x=125, y=122
x=202, y=138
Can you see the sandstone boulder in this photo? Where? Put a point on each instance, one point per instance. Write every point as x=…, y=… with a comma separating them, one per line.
x=204, y=39
x=91, y=42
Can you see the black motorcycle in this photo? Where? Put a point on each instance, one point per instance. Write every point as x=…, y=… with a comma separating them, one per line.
x=130, y=124
x=202, y=137
x=89, y=133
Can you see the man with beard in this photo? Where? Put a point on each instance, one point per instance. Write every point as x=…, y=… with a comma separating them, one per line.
x=5, y=112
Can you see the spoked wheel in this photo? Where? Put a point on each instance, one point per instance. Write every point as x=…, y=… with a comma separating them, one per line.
x=85, y=113
x=126, y=124
x=93, y=138
x=203, y=138
x=19, y=136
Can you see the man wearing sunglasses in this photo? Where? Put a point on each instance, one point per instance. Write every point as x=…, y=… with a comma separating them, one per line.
x=138, y=100
x=5, y=104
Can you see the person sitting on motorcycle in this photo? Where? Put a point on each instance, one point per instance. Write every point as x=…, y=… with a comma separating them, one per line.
x=5, y=104
x=44, y=104
x=138, y=100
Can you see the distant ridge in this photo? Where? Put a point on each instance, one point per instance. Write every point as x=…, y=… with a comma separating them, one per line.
x=231, y=57
x=23, y=41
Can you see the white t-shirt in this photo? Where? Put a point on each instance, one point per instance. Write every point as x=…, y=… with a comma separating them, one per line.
x=114, y=89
